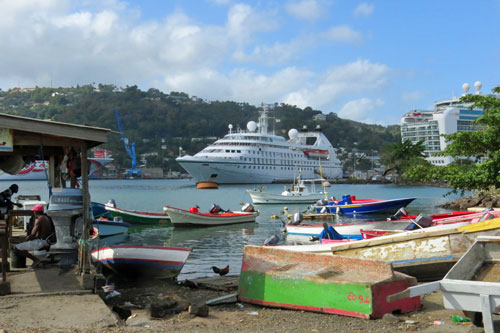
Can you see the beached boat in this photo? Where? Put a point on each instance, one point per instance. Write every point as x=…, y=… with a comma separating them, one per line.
x=329, y=284
x=299, y=192
x=194, y=218
x=427, y=253
x=472, y=284
x=138, y=217
x=351, y=205
x=133, y=261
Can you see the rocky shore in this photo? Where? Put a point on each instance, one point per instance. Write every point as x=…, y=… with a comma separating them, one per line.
x=486, y=201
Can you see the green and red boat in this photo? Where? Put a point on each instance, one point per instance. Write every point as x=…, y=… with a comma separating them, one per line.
x=315, y=282
x=138, y=217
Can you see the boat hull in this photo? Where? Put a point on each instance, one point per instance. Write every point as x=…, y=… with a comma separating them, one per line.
x=272, y=198
x=382, y=206
x=110, y=228
x=428, y=255
x=136, y=217
x=348, y=230
x=184, y=218
x=329, y=284
x=129, y=261
x=232, y=173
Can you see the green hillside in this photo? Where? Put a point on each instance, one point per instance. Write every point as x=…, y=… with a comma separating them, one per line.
x=160, y=123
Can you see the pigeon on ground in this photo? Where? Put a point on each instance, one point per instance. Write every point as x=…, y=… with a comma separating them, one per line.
x=220, y=271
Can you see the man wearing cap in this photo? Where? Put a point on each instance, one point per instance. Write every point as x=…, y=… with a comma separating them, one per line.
x=37, y=239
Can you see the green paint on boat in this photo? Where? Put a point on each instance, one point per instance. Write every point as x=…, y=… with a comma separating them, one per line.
x=142, y=220
x=306, y=293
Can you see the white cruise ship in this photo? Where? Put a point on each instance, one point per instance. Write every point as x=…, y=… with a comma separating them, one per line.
x=448, y=116
x=257, y=155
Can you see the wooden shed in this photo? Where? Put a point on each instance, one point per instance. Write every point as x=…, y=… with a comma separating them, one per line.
x=25, y=139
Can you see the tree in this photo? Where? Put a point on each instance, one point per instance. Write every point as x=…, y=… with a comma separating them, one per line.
x=476, y=154
x=399, y=157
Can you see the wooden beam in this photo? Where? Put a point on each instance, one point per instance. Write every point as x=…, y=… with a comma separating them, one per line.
x=94, y=134
x=87, y=224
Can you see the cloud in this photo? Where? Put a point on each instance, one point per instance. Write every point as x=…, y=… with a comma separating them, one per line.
x=304, y=9
x=343, y=33
x=58, y=43
x=360, y=109
x=363, y=10
x=357, y=77
x=410, y=97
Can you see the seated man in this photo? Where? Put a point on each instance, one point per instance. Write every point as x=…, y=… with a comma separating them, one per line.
x=329, y=232
x=38, y=238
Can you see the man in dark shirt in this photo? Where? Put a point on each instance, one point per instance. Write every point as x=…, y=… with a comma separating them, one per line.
x=38, y=238
x=6, y=195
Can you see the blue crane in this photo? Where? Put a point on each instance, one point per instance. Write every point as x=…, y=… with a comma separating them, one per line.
x=129, y=148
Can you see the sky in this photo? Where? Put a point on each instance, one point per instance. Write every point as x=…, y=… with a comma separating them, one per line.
x=369, y=61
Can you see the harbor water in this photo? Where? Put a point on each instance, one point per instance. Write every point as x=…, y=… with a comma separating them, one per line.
x=220, y=246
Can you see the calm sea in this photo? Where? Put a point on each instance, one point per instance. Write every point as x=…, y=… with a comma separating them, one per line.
x=223, y=245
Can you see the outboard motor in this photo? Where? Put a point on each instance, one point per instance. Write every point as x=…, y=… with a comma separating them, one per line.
x=248, y=208
x=297, y=218
x=111, y=203
x=487, y=215
x=422, y=220
x=66, y=210
x=401, y=212
x=215, y=209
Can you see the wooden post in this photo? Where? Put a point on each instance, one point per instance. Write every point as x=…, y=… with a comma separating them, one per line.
x=85, y=265
x=52, y=168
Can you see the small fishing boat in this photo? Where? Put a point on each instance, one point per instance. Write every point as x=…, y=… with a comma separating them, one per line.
x=137, y=217
x=351, y=205
x=427, y=253
x=298, y=193
x=351, y=230
x=471, y=285
x=194, y=218
x=133, y=261
x=321, y=283
x=109, y=228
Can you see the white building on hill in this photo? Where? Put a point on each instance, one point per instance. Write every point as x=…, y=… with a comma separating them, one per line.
x=448, y=116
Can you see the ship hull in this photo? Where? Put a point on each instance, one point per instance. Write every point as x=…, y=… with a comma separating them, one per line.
x=234, y=173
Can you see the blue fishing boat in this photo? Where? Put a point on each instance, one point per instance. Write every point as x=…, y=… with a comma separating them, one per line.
x=351, y=205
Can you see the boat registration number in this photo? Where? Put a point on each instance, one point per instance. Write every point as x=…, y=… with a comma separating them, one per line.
x=362, y=299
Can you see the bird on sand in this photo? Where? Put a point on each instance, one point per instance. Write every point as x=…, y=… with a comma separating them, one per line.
x=220, y=271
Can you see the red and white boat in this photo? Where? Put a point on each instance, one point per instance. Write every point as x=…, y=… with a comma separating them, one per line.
x=134, y=261
x=316, y=153
x=39, y=170
x=193, y=218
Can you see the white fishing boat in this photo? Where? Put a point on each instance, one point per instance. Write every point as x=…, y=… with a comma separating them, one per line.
x=39, y=170
x=193, y=218
x=258, y=155
x=134, y=261
x=299, y=192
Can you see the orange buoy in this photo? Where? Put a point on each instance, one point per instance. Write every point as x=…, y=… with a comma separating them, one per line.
x=207, y=185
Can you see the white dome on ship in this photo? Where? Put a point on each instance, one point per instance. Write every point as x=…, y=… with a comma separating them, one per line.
x=293, y=134
x=252, y=126
x=478, y=85
x=466, y=87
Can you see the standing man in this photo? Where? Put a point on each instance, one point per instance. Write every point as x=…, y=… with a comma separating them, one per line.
x=38, y=239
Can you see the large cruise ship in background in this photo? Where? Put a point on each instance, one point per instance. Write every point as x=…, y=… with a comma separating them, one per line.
x=258, y=155
x=448, y=116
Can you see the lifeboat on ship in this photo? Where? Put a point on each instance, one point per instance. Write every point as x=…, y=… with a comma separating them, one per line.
x=316, y=153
